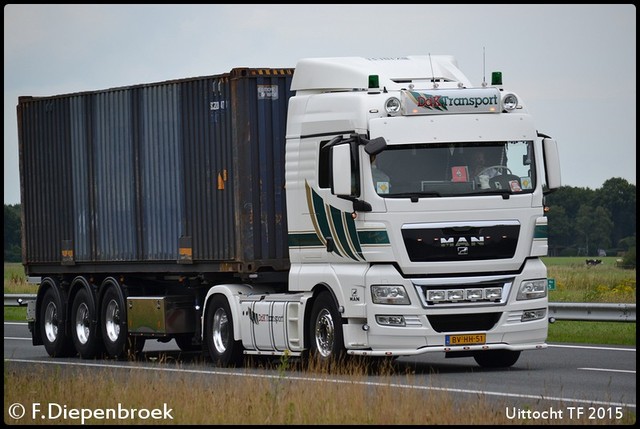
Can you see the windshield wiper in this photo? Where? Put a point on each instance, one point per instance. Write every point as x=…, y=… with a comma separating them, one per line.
x=414, y=195
x=506, y=193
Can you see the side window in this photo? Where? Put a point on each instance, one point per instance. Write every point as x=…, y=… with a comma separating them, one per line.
x=324, y=181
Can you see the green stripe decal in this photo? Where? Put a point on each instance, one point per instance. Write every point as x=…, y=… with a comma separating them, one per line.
x=373, y=237
x=321, y=216
x=338, y=225
x=309, y=239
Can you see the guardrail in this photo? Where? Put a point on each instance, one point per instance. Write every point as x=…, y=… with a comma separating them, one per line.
x=594, y=312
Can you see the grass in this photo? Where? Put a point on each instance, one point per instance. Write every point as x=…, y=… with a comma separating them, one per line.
x=578, y=282
x=313, y=398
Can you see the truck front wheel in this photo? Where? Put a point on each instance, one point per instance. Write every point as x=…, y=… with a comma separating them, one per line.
x=496, y=358
x=222, y=348
x=327, y=344
x=84, y=330
x=52, y=330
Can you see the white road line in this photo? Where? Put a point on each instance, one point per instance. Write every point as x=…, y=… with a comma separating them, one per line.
x=620, y=349
x=626, y=371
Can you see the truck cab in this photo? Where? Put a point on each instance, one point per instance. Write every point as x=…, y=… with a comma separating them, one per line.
x=419, y=248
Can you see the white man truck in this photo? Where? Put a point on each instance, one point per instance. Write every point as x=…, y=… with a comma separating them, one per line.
x=328, y=210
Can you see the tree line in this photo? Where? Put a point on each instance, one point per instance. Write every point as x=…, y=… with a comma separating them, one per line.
x=581, y=222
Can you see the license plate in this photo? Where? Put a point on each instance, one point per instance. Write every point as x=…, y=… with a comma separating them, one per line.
x=465, y=339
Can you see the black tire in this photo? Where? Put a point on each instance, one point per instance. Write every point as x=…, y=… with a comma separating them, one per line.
x=113, y=322
x=84, y=332
x=218, y=331
x=496, y=358
x=52, y=330
x=325, y=332
x=185, y=343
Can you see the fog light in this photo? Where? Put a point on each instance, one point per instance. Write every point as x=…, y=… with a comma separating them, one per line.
x=529, y=315
x=390, y=320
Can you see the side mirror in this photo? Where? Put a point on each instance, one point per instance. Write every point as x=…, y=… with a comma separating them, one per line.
x=551, y=163
x=341, y=169
x=375, y=146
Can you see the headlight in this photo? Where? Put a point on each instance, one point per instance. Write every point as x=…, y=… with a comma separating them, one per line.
x=509, y=102
x=389, y=294
x=531, y=289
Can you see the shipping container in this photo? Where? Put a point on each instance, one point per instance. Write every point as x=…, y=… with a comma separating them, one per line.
x=180, y=176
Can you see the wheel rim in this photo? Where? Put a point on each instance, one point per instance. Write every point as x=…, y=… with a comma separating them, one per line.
x=82, y=323
x=112, y=321
x=220, y=330
x=51, y=322
x=324, y=333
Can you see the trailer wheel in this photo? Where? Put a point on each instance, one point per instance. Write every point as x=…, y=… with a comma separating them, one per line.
x=112, y=320
x=327, y=343
x=496, y=358
x=84, y=332
x=52, y=330
x=222, y=348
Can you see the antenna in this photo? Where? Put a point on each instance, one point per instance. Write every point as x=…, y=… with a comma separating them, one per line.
x=484, y=70
x=433, y=76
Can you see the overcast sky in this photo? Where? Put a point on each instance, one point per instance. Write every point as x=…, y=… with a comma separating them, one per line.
x=574, y=65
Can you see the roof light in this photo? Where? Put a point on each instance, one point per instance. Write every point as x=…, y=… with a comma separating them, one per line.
x=509, y=102
x=392, y=105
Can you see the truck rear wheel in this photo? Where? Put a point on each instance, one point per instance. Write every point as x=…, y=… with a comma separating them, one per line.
x=52, y=330
x=84, y=331
x=185, y=343
x=327, y=343
x=222, y=348
x=496, y=358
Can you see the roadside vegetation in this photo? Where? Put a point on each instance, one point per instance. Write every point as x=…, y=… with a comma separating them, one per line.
x=316, y=397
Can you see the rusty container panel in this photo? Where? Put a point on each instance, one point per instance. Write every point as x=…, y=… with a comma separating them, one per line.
x=177, y=176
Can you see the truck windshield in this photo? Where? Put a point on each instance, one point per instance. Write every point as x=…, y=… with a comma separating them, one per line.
x=438, y=170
